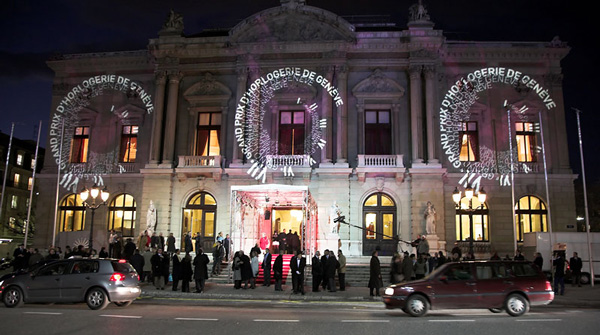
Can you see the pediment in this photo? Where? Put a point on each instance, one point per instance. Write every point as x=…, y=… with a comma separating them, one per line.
x=207, y=89
x=378, y=85
x=292, y=24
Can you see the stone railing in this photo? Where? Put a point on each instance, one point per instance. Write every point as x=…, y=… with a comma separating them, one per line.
x=288, y=160
x=199, y=161
x=392, y=161
x=527, y=167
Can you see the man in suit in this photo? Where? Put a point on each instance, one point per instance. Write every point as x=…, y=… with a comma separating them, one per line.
x=576, y=265
x=297, y=265
x=330, y=268
x=317, y=271
x=266, y=266
x=200, y=269
x=278, y=270
x=324, y=260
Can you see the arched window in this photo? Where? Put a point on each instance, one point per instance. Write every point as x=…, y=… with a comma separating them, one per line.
x=531, y=215
x=479, y=214
x=199, y=216
x=72, y=214
x=379, y=219
x=122, y=215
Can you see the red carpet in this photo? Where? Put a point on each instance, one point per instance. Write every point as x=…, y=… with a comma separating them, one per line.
x=286, y=269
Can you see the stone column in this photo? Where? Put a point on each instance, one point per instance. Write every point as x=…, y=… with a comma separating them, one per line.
x=326, y=107
x=157, y=125
x=430, y=112
x=170, y=125
x=242, y=78
x=360, y=109
x=224, y=134
x=396, y=148
x=342, y=117
x=415, y=113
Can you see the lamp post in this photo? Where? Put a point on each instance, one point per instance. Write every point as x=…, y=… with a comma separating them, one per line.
x=93, y=192
x=469, y=193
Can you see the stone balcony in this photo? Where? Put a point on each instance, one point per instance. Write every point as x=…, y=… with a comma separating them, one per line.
x=289, y=160
x=199, y=166
x=380, y=166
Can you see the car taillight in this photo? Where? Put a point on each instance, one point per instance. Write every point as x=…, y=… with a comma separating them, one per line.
x=117, y=277
x=138, y=277
x=548, y=286
x=122, y=261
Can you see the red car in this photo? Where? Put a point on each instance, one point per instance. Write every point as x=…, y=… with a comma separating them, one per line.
x=496, y=285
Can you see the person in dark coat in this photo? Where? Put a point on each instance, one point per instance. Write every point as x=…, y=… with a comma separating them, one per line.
x=375, y=281
x=317, y=271
x=187, y=242
x=217, y=256
x=256, y=249
x=278, y=270
x=171, y=243
x=330, y=268
x=160, y=269
x=324, y=259
x=186, y=272
x=137, y=261
x=129, y=249
x=103, y=253
x=297, y=265
x=576, y=265
x=176, y=274
x=198, y=242
x=117, y=247
x=266, y=266
x=246, y=269
x=538, y=260
x=200, y=269
x=283, y=241
x=559, y=274
x=153, y=241
x=227, y=246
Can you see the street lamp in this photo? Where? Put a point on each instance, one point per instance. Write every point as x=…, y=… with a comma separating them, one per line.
x=94, y=192
x=469, y=193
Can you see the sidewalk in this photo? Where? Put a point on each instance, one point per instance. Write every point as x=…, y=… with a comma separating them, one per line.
x=575, y=297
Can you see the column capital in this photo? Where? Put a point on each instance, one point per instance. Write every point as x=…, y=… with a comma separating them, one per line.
x=415, y=71
x=429, y=71
x=175, y=76
x=160, y=77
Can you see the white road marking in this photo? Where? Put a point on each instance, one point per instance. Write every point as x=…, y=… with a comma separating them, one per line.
x=365, y=321
x=43, y=313
x=195, y=319
x=122, y=316
x=265, y=320
x=451, y=320
x=538, y=320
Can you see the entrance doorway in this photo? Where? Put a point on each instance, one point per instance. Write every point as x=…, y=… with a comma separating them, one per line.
x=288, y=220
x=379, y=218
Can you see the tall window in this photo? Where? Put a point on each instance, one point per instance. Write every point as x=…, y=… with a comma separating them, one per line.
x=14, y=202
x=72, y=214
x=199, y=216
x=122, y=214
x=531, y=215
x=481, y=227
x=208, y=132
x=291, y=133
x=79, y=145
x=29, y=183
x=379, y=217
x=525, y=141
x=16, y=179
x=129, y=144
x=469, y=142
x=20, y=159
x=378, y=132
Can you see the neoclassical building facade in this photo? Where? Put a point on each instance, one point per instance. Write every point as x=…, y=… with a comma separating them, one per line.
x=295, y=116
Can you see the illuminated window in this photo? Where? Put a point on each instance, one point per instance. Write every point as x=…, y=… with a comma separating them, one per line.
x=525, y=141
x=199, y=216
x=291, y=133
x=14, y=202
x=16, y=179
x=530, y=215
x=208, y=132
x=29, y=183
x=32, y=163
x=20, y=159
x=72, y=214
x=481, y=225
x=12, y=223
x=469, y=142
x=122, y=215
x=379, y=213
x=79, y=145
x=129, y=144
x=378, y=132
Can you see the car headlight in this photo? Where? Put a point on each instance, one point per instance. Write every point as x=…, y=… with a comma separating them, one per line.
x=389, y=291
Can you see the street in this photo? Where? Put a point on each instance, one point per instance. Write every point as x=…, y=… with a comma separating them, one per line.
x=282, y=318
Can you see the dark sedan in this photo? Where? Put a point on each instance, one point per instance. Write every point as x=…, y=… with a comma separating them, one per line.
x=495, y=285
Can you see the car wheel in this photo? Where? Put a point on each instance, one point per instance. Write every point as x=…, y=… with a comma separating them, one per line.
x=496, y=310
x=96, y=298
x=123, y=303
x=585, y=279
x=516, y=305
x=13, y=297
x=417, y=305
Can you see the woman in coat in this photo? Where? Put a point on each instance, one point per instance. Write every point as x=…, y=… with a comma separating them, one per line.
x=375, y=281
x=237, y=270
x=200, y=270
x=246, y=269
x=254, y=266
x=186, y=272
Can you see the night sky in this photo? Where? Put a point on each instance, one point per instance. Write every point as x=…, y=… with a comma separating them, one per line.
x=34, y=31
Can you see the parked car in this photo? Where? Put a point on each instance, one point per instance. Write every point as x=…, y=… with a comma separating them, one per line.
x=495, y=285
x=94, y=281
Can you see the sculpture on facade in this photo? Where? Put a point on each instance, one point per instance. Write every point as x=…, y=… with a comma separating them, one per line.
x=151, y=219
x=418, y=12
x=334, y=213
x=429, y=215
x=174, y=22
